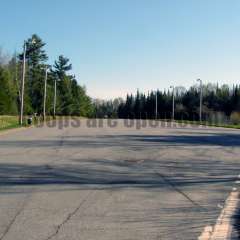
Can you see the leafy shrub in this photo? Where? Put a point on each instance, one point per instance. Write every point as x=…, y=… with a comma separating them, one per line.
x=235, y=118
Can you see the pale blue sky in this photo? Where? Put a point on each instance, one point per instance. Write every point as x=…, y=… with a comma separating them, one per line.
x=119, y=46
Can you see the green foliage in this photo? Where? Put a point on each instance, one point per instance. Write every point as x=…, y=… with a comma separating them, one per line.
x=218, y=104
x=108, y=109
x=36, y=59
x=8, y=104
x=71, y=97
x=73, y=100
x=235, y=118
x=7, y=122
x=62, y=66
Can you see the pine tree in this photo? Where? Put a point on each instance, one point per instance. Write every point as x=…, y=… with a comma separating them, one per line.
x=36, y=58
x=8, y=104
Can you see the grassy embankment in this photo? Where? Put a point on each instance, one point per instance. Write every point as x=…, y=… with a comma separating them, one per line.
x=235, y=126
x=8, y=122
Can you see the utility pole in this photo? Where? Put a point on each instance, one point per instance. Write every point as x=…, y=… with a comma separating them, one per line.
x=16, y=80
x=23, y=83
x=45, y=93
x=156, y=107
x=55, y=98
x=173, y=102
x=201, y=97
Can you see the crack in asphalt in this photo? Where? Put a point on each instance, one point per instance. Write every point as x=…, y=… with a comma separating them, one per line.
x=173, y=186
x=69, y=216
x=58, y=148
x=13, y=220
x=169, y=183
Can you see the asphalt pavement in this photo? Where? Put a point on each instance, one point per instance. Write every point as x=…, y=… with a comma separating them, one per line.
x=115, y=180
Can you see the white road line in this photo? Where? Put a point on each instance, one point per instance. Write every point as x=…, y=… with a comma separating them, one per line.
x=224, y=225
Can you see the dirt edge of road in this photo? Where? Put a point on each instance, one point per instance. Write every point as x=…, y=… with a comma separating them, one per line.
x=12, y=130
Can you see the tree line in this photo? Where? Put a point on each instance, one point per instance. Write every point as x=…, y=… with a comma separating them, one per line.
x=71, y=97
x=218, y=102
x=223, y=101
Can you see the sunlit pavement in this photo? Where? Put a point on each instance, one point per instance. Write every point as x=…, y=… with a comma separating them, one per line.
x=107, y=183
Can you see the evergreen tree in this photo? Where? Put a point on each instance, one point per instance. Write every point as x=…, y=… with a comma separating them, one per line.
x=36, y=58
x=8, y=104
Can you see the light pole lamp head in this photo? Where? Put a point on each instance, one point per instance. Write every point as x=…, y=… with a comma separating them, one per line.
x=33, y=41
x=48, y=67
x=173, y=88
x=199, y=80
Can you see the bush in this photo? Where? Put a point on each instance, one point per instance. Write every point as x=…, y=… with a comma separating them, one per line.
x=235, y=118
x=217, y=118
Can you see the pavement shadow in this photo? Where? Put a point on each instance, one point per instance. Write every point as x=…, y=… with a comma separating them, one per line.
x=215, y=140
x=114, y=174
x=227, y=140
x=110, y=173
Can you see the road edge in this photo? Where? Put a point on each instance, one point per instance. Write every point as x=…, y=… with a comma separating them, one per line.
x=225, y=223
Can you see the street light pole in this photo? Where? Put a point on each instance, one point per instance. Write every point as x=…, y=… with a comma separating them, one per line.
x=201, y=97
x=156, y=107
x=173, y=102
x=23, y=83
x=55, y=98
x=45, y=94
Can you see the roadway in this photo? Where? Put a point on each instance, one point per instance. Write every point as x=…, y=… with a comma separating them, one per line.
x=114, y=183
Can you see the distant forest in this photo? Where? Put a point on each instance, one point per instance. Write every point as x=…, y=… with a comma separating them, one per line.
x=220, y=103
x=71, y=97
